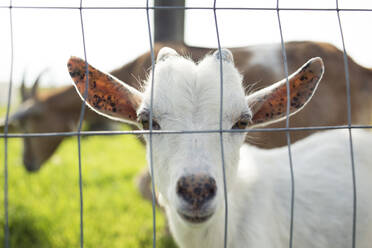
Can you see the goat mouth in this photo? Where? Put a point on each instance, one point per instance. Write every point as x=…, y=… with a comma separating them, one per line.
x=195, y=219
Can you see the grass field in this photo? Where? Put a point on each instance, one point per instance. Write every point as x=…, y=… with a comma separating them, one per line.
x=44, y=207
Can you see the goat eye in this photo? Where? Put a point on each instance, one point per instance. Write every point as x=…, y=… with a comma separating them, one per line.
x=241, y=124
x=146, y=125
x=155, y=125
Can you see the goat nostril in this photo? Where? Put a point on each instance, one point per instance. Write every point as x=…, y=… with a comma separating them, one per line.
x=181, y=190
x=211, y=186
x=212, y=191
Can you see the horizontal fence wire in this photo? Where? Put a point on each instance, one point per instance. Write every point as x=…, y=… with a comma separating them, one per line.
x=185, y=8
x=139, y=132
x=6, y=135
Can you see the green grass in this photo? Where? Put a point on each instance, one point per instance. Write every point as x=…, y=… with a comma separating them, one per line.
x=44, y=207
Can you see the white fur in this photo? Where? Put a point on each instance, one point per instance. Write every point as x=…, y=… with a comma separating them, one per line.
x=187, y=97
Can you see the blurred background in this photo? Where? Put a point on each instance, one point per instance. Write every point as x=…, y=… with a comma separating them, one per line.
x=45, y=38
x=44, y=206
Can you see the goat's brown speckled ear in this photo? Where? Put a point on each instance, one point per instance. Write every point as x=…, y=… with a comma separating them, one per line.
x=270, y=104
x=106, y=94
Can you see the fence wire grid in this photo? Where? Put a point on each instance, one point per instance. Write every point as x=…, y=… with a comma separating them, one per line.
x=151, y=132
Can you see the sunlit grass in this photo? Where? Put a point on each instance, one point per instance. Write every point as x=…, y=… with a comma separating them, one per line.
x=44, y=208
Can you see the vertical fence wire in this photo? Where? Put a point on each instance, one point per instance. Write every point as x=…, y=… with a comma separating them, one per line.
x=82, y=113
x=348, y=99
x=6, y=198
x=150, y=126
x=288, y=136
x=221, y=128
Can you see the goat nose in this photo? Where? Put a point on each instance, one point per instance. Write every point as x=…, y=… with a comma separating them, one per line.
x=196, y=189
x=31, y=165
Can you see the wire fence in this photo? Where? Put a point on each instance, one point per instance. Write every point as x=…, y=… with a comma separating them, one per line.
x=6, y=135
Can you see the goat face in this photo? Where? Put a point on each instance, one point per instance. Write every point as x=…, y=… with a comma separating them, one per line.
x=34, y=115
x=187, y=167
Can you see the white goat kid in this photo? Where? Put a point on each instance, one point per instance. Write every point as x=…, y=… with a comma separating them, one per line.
x=188, y=168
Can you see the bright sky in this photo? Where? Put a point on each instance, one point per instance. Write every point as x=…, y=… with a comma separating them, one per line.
x=46, y=38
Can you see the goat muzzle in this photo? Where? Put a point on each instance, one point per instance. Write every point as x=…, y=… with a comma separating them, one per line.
x=196, y=192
